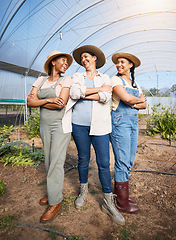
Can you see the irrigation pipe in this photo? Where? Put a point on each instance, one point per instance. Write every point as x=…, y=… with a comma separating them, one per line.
x=44, y=229
x=147, y=171
x=151, y=171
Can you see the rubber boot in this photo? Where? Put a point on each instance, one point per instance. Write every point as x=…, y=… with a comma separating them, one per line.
x=81, y=199
x=122, y=197
x=109, y=208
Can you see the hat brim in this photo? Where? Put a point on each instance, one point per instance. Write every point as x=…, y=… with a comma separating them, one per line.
x=129, y=56
x=90, y=48
x=68, y=56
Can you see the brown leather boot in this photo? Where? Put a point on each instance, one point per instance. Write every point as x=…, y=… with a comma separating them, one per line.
x=51, y=213
x=43, y=201
x=122, y=197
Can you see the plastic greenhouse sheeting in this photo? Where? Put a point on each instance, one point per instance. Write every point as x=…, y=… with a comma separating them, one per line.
x=31, y=29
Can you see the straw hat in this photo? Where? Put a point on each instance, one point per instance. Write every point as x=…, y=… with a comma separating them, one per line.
x=129, y=56
x=90, y=48
x=54, y=54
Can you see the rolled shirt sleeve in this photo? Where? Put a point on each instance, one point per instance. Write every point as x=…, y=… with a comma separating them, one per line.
x=77, y=90
x=105, y=96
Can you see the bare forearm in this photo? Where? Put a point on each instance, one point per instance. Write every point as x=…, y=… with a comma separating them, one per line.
x=36, y=102
x=53, y=106
x=94, y=96
x=131, y=99
x=141, y=105
x=91, y=91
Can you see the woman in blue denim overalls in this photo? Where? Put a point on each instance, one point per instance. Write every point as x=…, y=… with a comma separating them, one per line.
x=127, y=98
x=51, y=94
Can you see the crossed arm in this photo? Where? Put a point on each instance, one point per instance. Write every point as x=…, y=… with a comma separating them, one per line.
x=129, y=99
x=50, y=103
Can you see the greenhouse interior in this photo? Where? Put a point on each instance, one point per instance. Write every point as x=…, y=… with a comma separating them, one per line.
x=30, y=30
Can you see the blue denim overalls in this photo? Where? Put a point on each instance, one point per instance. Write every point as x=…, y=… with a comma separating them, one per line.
x=124, y=136
x=55, y=144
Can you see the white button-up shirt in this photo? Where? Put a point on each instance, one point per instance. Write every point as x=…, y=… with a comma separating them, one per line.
x=101, y=118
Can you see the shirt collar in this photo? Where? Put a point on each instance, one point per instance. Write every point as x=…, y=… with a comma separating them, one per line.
x=98, y=74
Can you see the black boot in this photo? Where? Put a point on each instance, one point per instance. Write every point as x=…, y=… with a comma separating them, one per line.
x=122, y=197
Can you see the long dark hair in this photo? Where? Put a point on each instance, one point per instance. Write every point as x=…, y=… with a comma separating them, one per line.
x=132, y=73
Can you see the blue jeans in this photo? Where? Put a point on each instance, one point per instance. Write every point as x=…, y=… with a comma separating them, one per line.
x=124, y=139
x=101, y=145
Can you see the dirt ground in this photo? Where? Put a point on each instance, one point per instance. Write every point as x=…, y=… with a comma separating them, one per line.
x=155, y=194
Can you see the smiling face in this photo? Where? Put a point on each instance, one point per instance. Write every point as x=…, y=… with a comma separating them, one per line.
x=123, y=66
x=60, y=64
x=88, y=61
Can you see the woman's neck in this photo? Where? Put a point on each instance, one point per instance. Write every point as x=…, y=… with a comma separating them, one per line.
x=54, y=77
x=126, y=77
x=91, y=73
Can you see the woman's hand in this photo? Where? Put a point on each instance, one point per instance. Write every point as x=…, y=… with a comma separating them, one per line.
x=106, y=88
x=143, y=97
x=32, y=95
x=56, y=100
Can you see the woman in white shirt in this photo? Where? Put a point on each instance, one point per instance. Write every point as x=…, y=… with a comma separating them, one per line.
x=91, y=123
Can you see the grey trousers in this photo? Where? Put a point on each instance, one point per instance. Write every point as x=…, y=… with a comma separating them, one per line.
x=55, y=144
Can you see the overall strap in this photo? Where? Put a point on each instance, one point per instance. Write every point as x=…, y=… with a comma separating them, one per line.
x=43, y=81
x=58, y=81
x=124, y=84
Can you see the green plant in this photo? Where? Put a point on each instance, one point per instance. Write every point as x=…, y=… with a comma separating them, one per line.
x=68, y=203
x=75, y=238
x=2, y=188
x=124, y=234
x=52, y=234
x=32, y=125
x=140, y=115
x=18, y=152
x=7, y=222
x=162, y=121
x=42, y=183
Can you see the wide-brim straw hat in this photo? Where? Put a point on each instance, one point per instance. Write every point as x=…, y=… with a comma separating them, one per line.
x=54, y=54
x=127, y=55
x=93, y=49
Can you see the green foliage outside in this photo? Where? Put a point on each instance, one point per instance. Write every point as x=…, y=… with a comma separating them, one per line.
x=17, y=152
x=2, y=188
x=32, y=125
x=163, y=122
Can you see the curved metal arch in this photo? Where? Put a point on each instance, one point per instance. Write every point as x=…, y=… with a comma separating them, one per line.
x=132, y=16
x=142, y=68
x=25, y=19
x=59, y=30
x=130, y=46
x=117, y=22
x=158, y=29
x=5, y=12
x=12, y=19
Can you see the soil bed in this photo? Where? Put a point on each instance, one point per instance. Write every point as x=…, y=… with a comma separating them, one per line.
x=155, y=194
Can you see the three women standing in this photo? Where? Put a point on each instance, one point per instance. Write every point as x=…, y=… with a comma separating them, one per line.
x=89, y=110
x=51, y=94
x=127, y=99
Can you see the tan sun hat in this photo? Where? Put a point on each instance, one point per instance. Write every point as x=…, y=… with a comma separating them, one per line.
x=129, y=56
x=54, y=54
x=90, y=48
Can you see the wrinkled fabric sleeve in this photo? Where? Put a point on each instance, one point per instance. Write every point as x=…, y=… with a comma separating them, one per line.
x=66, y=82
x=77, y=90
x=105, y=96
x=37, y=82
